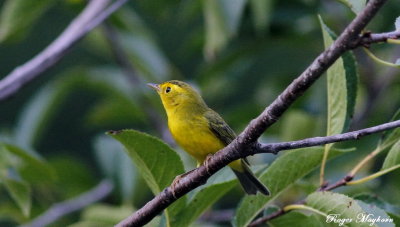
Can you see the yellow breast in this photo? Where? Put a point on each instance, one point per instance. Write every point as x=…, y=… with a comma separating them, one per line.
x=194, y=136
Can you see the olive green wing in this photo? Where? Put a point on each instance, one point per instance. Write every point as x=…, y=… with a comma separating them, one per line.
x=219, y=127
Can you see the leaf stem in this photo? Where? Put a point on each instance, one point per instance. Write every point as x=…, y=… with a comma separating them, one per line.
x=373, y=176
x=378, y=60
x=374, y=153
x=393, y=41
x=302, y=207
x=323, y=164
x=370, y=156
x=346, y=3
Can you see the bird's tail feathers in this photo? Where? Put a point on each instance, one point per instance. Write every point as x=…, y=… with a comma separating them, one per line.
x=249, y=182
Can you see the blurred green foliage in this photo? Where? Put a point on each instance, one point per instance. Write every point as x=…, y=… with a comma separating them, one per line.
x=239, y=54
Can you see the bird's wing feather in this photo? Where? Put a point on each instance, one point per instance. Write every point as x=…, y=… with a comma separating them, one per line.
x=219, y=127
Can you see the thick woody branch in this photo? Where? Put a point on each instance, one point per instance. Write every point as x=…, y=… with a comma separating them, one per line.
x=241, y=146
x=348, y=39
x=93, y=15
x=199, y=176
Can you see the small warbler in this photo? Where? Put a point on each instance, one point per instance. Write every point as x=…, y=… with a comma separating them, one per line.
x=200, y=131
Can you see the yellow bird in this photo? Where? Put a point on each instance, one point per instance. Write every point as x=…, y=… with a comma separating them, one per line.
x=200, y=131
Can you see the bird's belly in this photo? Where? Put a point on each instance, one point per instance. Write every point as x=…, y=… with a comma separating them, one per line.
x=196, y=139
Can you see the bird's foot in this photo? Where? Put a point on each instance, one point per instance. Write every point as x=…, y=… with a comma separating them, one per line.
x=206, y=162
x=176, y=181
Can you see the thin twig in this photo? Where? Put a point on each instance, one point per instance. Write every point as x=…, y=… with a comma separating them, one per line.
x=239, y=148
x=64, y=208
x=315, y=141
x=91, y=16
x=369, y=38
x=376, y=88
x=218, y=216
x=263, y=220
x=373, y=176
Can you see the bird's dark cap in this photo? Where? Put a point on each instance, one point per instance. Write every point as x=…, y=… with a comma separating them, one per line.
x=154, y=86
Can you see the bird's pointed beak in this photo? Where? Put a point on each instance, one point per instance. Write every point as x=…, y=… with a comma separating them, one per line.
x=154, y=86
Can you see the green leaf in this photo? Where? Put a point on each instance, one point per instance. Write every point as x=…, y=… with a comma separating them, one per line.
x=217, y=186
x=20, y=192
x=155, y=222
x=375, y=200
x=342, y=82
x=222, y=19
x=270, y=210
x=9, y=211
x=295, y=218
x=103, y=81
x=18, y=16
x=355, y=5
x=156, y=161
x=304, y=123
x=141, y=46
x=333, y=203
x=345, y=208
x=74, y=175
x=376, y=212
x=392, y=136
x=116, y=165
x=146, y=57
x=395, y=217
x=393, y=157
x=32, y=119
x=397, y=25
x=89, y=224
x=371, y=199
x=6, y=159
x=106, y=214
x=32, y=167
x=279, y=177
x=261, y=14
x=103, y=113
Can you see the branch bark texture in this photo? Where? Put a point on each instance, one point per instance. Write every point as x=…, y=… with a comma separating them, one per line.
x=198, y=175
x=246, y=142
x=93, y=15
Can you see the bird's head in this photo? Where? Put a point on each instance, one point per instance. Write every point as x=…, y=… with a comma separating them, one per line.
x=176, y=93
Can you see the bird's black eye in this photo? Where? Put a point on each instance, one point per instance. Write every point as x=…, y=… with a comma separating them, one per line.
x=168, y=89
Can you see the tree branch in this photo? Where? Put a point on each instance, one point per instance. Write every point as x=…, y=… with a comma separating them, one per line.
x=90, y=17
x=262, y=220
x=369, y=38
x=239, y=148
x=275, y=148
x=61, y=209
x=315, y=141
x=348, y=179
